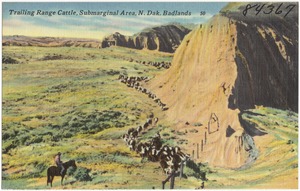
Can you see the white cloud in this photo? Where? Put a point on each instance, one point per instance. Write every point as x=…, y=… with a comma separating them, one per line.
x=20, y=27
x=12, y=23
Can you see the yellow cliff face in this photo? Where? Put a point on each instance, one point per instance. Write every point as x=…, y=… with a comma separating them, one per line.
x=198, y=86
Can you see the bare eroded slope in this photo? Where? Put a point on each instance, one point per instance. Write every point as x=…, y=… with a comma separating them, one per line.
x=221, y=68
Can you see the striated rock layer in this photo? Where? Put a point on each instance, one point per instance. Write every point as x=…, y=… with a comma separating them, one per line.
x=227, y=65
x=163, y=38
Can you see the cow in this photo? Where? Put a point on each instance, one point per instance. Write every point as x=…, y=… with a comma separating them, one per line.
x=164, y=108
x=149, y=121
x=139, y=129
x=156, y=143
x=167, y=168
x=153, y=155
x=134, y=133
x=125, y=137
x=155, y=120
x=130, y=131
x=131, y=143
x=145, y=126
x=143, y=149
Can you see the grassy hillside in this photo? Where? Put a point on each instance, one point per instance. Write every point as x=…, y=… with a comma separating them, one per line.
x=276, y=166
x=70, y=100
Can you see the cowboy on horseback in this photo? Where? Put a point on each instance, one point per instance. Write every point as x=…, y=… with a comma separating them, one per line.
x=55, y=171
x=59, y=163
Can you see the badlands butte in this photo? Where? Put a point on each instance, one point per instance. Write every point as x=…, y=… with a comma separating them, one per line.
x=225, y=66
x=228, y=90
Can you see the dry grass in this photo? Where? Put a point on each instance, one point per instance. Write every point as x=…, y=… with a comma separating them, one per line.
x=40, y=96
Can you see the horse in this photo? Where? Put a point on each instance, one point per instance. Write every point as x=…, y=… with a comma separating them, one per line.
x=55, y=171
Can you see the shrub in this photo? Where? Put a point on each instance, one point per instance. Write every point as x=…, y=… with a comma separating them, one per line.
x=39, y=116
x=37, y=139
x=57, y=136
x=198, y=124
x=113, y=72
x=180, y=133
x=40, y=167
x=71, y=171
x=82, y=174
x=194, y=131
x=195, y=170
x=8, y=145
x=9, y=60
x=5, y=136
x=24, y=138
x=120, y=124
x=47, y=138
x=93, y=122
x=67, y=135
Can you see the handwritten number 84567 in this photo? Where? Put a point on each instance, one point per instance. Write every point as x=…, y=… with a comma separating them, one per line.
x=268, y=9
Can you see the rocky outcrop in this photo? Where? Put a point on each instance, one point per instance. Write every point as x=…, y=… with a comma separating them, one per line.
x=163, y=38
x=266, y=60
x=227, y=65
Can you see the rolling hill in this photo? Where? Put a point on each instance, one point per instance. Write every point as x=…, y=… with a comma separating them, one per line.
x=19, y=40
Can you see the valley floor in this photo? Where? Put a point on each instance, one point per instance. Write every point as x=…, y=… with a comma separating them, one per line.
x=70, y=100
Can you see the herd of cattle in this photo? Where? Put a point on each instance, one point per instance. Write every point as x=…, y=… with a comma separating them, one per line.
x=158, y=65
x=170, y=158
x=135, y=82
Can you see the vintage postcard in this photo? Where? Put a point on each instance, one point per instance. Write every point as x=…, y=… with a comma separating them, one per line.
x=149, y=95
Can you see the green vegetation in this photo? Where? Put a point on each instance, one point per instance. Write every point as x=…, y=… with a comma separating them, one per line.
x=283, y=125
x=70, y=100
x=55, y=96
x=198, y=171
x=9, y=60
x=278, y=153
x=82, y=174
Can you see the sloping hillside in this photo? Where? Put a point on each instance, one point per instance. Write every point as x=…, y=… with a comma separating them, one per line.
x=229, y=64
x=277, y=164
x=164, y=38
x=49, y=42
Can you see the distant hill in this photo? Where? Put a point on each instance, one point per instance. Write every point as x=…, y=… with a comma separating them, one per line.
x=164, y=38
x=18, y=40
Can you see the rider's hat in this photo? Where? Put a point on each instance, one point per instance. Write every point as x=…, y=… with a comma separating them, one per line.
x=59, y=153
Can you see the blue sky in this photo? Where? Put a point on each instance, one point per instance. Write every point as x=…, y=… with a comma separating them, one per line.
x=98, y=26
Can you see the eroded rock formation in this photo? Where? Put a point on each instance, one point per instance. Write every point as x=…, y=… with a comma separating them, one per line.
x=227, y=65
x=163, y=38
